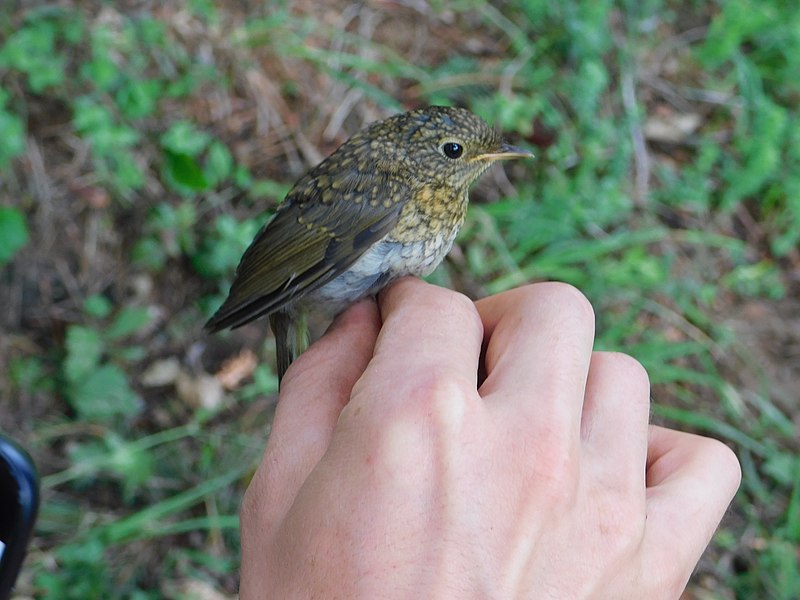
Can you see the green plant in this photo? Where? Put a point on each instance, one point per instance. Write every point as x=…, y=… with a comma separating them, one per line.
x=96, y=384
x=13, y=232
x=12, y=130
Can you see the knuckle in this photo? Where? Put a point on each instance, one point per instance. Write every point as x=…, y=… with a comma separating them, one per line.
x=427, y=411
x=570, y=299
x=628, y=368
x=437, y=396
x=457, y=307
x=451, y=308
x=561, y=304
x=725, y=461
x=464, y=307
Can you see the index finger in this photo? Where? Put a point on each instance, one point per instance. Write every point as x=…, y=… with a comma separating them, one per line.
x=428, y=333
x=316, y=387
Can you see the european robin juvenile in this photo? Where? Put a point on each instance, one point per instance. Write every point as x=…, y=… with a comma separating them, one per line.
x=387, y=203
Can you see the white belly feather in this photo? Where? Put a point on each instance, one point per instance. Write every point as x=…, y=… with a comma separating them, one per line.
x=384, y=261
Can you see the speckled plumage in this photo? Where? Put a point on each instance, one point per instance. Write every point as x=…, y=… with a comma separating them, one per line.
x=387, y=203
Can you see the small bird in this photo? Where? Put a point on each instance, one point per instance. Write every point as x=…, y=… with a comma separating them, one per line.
x=387, y=203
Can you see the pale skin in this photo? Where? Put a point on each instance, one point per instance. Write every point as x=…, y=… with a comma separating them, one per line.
x=431, y=447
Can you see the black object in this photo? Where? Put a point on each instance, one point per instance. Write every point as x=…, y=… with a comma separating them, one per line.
x=19, y=503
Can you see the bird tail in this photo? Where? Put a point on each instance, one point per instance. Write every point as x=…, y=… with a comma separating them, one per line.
x=291, y=337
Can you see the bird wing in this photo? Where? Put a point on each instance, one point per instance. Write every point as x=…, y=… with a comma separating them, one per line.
x=322, y=228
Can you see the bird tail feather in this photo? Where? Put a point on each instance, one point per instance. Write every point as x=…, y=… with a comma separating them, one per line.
x=291, y=338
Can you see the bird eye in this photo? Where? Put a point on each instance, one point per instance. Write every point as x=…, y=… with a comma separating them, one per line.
x=452, y=149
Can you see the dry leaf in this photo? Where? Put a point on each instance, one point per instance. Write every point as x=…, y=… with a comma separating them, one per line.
x=161, y=372
x=235, y=370
x=671, y=128
x=200, y=391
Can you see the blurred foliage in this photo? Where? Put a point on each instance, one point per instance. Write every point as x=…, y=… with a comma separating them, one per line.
x=153, y=114
x=13, y=232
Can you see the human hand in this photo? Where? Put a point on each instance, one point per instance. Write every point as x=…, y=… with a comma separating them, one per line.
x=395, y=469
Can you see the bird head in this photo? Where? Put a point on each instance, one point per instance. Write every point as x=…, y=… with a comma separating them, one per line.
x=440, y=145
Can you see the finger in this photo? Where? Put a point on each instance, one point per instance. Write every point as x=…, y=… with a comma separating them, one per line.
x=616, y=412
x=691, y=480
x=313, y=392
x=429, y=334
x=537, y=358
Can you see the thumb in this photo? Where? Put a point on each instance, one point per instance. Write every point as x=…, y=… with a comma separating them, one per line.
x=313, y=392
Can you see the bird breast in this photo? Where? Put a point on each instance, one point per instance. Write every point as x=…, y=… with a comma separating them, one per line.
x=424, y=234
x=385, y=261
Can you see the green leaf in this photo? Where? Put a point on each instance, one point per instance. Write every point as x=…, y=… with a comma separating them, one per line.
x=149, y=253
x=183, y=170
x=783, y=467
x=97, y=306
x=125, y=173
x=129, y=320
x=130, y=354
x=138, y=98
x=205, y=9
x=90, y=551
x=13, y=232
x=102, y=71
x=739, y=20
x=84, y=348
x=28, y=374
x=265, y=382
x=12, y=132
x=264, y=188
x=31, y=50
x=219, y=163
x=183, y=137
x=221, y=249
x=130, y=462
x=104, y=395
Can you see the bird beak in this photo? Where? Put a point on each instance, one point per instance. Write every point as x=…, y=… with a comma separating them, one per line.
x=505, y=151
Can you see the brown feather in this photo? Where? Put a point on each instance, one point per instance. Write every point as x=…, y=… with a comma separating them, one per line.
x=306, y=244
